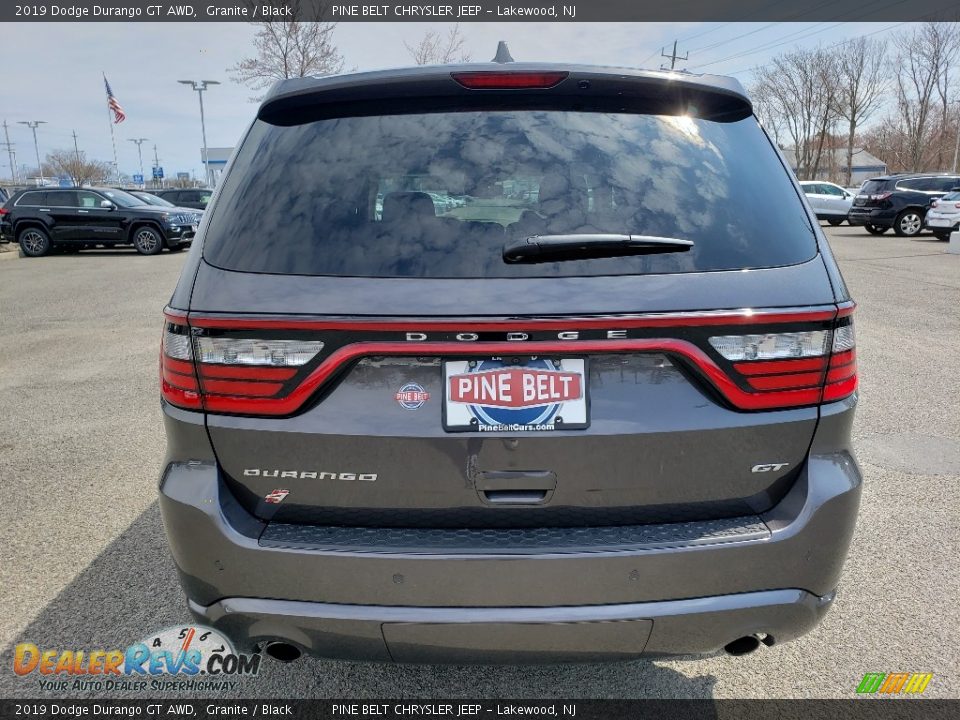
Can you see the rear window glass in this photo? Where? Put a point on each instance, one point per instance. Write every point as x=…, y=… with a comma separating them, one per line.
x=439, y=194
x=873, y=187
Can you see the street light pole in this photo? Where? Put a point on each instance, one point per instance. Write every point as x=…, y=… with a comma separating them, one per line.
x=200, y=86
x=33, y=125
x=139, y=142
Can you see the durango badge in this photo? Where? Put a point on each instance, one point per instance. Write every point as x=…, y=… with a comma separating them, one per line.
x=412, y=396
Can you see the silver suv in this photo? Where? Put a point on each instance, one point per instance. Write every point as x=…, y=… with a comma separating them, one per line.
x=597, y=407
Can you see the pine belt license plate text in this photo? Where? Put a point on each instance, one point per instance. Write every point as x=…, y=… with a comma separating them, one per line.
x=515, y=394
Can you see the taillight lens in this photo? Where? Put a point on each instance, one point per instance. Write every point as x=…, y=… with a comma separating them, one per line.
x=881, y=196
x=841, y=380
x=793, y=368
x=178, y=379
x=225, y=374
x=4, y=211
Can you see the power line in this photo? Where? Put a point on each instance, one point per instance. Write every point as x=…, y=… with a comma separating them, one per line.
x=798, y=35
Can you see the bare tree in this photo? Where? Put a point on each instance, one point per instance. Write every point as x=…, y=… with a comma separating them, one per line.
x=290, y=48
x=76, y=166
x=768, y=111
x=437, y=49
x=801, y=86
x=923, y=59
x=861, y=66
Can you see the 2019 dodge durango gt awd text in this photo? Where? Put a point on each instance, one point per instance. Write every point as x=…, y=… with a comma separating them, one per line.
x=597, y=407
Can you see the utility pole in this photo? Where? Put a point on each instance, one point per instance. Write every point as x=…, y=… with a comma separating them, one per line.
x=139, y=142
x=76, y=148
x=33, y=125
x=200, y=86
x=10, y=153
x=673, y=57
x=156, y=164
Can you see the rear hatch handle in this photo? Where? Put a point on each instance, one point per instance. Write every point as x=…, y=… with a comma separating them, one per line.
x=515, y=487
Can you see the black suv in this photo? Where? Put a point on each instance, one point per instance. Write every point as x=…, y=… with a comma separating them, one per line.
x=77, y=218
x=513, y=363
x=898, y=201
x=196, y=198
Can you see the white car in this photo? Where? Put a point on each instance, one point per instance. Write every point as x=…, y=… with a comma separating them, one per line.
x=943, y=217
x=830, y=202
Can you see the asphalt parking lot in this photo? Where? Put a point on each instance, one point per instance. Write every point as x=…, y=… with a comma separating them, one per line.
x=85, y=564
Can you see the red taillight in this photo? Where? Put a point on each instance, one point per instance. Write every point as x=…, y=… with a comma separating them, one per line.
x=4, y=211
x=824, y=370
x=178, y=380
x=881, y=196
x=763, y=360
x=497, y=80
x=222, y=374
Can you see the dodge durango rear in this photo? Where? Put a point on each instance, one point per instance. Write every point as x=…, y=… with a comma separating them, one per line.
x=514, y=363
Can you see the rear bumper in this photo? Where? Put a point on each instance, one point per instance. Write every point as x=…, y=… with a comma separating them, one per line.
x=941, y=224
x=880, y=217
x=516, y=635
x=668, y=592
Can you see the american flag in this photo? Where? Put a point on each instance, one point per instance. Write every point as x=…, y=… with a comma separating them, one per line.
x=118, y=114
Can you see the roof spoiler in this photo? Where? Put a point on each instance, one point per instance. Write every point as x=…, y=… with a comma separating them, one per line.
x=433, y=89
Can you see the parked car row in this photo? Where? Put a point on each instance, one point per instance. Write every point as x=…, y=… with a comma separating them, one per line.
x=43, y=219
x=907, y=203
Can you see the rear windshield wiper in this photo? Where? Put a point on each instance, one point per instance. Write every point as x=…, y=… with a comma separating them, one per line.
x=583, y=246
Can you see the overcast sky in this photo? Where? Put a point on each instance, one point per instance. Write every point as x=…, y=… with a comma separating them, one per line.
x=52, y=71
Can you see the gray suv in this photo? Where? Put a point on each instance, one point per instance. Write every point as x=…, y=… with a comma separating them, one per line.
x=594, y=406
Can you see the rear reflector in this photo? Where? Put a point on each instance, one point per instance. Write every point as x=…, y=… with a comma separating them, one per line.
x=509, y=80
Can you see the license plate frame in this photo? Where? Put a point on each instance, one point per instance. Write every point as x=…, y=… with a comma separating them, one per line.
x=565, y=413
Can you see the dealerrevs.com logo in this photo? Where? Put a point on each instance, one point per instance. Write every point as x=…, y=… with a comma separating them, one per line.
x=181, y=658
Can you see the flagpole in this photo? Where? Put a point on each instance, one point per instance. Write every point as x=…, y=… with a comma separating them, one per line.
x=116, y=164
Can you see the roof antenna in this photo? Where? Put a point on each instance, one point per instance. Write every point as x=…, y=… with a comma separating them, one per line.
x=503, y=53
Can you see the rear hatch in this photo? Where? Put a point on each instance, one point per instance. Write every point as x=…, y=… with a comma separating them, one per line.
x=873, y=193
x=372, y=349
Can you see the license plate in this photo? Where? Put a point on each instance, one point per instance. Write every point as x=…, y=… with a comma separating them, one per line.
x=939, y=222
x=515, y=394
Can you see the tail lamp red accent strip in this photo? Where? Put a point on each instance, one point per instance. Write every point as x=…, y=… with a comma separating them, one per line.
x=786, y=382
x=246, y=372
x=779, y=367
x=498, y=80
x=240, y=387
x=842, y=379
x=248, y=390
x=178, y=380
x=695, y=356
